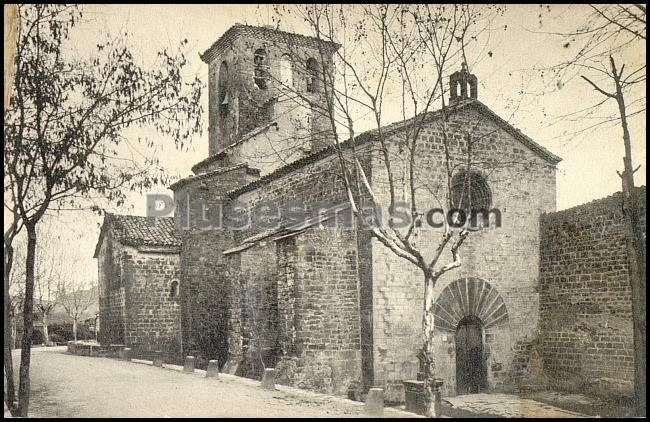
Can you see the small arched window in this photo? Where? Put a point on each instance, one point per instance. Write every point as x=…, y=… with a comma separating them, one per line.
x=286, y=72
x=261, y=70
x=470, y=191
x=173, y=290
x=224, y=98
x=312, y=75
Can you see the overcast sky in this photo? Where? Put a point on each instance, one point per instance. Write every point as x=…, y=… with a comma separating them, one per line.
x=590, y=159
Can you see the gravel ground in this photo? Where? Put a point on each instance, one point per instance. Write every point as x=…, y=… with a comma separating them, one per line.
x=509, y=406
x=64, y=385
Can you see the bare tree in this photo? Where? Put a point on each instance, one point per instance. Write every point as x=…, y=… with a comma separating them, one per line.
x=48, y=276
x=76, y=297
x=64, y=131
x=606, y=41
x=383, y=50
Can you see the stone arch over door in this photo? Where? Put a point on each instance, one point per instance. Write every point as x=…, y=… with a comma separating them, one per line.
x=463, y=300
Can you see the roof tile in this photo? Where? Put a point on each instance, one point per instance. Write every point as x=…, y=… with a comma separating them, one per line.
x=136, y=230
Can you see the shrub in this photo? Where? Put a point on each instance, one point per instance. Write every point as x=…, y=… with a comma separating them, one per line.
x=65, y=331
x=37, y=336
x=57, y=338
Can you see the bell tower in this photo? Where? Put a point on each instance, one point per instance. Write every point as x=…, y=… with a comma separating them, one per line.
x=460, y=82
x=261, y=75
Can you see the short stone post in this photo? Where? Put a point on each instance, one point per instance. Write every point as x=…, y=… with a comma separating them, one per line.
x=189, y=364
x=157, y=359
x=213, y=369
x=415, y=397
x=375, y=402
x=268, y=379
x=126, y=354
x=437, y=397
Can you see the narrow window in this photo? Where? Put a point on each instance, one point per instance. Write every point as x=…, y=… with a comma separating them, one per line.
x=173, y=290
x=224, y=100
x=260, y=61
x=312, y=75
x=286, y=72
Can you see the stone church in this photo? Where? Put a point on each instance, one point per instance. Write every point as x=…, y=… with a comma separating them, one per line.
x=328, y=306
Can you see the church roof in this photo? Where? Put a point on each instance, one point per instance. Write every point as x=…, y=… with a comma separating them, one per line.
x=212, y=173
x=135, y=230
x=285, y=231
x=196, y=168
x=266, y=33
x=393, y=128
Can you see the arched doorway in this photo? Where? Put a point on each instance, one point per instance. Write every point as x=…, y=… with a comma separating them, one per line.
x=469, y=312
x=471, y=368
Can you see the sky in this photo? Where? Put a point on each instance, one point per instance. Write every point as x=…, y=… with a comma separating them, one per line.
x=590, y=159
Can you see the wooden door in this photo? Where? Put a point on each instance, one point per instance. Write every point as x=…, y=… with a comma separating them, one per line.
x=471, y=369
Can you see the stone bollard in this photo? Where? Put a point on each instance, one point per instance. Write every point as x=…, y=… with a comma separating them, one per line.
x=213, y=369
x=157, y=359
x=375, y=402
x=189, y=364
x=437, y=394
x=126, y=354
x=415, y=397
x=268, y=379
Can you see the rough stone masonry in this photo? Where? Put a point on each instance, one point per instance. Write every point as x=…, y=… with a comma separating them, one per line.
x=330, y=308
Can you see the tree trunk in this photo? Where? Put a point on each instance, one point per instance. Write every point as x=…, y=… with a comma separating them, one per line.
x=636, y=260
x=636, y=256
x=14, y=332
x=74, y=328
x=28, y=321
x=9, y=334
x=46, y=332
x=427, y=364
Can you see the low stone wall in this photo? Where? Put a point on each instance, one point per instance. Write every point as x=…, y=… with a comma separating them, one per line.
x=82, y=348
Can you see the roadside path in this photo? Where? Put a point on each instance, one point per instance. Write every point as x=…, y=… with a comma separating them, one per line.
x=65, y=385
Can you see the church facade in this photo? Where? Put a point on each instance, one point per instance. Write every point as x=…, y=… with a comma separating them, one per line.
x=327, y=305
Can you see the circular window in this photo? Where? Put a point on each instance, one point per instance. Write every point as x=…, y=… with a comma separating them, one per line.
x=470, y=191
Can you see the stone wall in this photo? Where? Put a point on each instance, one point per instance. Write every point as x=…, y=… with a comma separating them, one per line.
x=325, y=352
x=208, y=279
x=136, y=303
x=259, y=309
x=585, y=306
x=152, y=309
x=506, y=258
x=111, y=292
x=311, y=280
